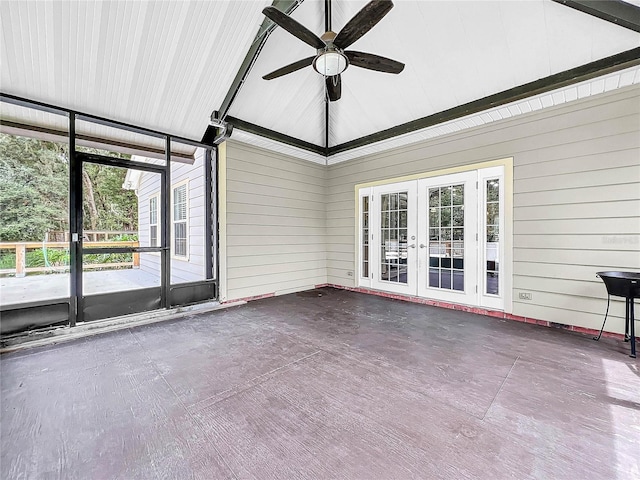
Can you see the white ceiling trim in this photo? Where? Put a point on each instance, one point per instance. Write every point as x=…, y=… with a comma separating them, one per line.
x=275, y=146
x=550, y=99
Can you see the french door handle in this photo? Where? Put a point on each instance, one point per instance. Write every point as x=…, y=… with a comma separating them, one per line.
x=422, y=245
x=413, y=245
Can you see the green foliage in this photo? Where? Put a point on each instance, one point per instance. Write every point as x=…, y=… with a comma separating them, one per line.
x=59, y=258
x=108, y=258
x=7, y=259
x=117, y=208
x=125, y=237
x=36, y=258
x=48, y=258
x=34, y=190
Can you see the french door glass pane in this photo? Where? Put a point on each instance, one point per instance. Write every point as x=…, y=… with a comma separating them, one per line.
x=446, y=237
x=365, y=236
x=492, y=208
x=393, y=232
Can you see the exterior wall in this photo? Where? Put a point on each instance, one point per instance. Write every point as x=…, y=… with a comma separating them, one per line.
x=149, y=185
x=274, y=236
x=576, y=201
x=182, y=270
x=192, y=268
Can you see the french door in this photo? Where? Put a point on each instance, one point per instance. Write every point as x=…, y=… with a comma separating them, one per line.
x=128, y=275
x=394, y=236
x=447, y=226
x=436, y=237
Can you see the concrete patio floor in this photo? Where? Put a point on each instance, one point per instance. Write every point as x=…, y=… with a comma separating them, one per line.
x=33, y=288
x=324, y=384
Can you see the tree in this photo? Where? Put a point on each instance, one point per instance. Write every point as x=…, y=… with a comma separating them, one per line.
x=106, y=202
x=34, y=191
x=33, y=188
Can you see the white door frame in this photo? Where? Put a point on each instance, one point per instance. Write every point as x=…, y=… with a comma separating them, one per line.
x=496, y=169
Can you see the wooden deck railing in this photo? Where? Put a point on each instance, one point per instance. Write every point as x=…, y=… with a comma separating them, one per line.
x=88, y=235
x=21, y=248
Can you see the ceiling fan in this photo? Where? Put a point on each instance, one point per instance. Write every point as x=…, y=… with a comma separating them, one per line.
x=332, y=59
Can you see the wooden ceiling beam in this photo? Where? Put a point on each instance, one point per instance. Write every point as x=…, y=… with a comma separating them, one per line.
x=621, y=13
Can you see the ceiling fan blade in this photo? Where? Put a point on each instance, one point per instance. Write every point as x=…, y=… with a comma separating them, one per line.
x=293, y=27
x=373, y=62
x=305, y=62
x=362, y=22
x=334, y=87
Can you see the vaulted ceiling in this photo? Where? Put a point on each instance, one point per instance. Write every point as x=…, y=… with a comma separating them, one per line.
x=167, y=65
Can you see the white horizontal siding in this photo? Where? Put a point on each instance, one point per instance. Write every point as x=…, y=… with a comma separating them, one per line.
x=613, y=258
x=576, y=200
x=287, y=191
x=592, y=209
x=149, y=186
x=239, y=200
x=275, y=223
x=601, y=193
x=192, y=268
x=274, y=248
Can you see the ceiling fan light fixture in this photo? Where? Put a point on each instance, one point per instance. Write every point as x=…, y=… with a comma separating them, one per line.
x=330, y=63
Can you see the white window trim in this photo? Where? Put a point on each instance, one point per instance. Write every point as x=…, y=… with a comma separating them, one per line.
x=184, y=258
x=363, y=281
x=488, y=300
x=155, y=195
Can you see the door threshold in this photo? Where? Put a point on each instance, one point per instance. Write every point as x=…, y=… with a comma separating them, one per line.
x=60, y=334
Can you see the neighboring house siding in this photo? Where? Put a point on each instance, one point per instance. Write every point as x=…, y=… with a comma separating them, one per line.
x=193, y=267
x=275, y=223
x=183, y=270
x=576, y=200
x=149, y=186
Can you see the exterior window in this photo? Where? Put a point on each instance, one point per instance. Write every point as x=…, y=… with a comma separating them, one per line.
x=365, y=236
x=492, y=210
x=153, y=222
x=180, y=209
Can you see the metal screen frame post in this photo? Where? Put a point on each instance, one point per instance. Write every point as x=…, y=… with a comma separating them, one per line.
x=165, y=216
x=75, y=227
x=210, y=214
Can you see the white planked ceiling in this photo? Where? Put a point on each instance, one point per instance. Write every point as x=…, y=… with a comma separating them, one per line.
x=455, y=52
x=162, y=65
x=166, y=65
x=293, y=100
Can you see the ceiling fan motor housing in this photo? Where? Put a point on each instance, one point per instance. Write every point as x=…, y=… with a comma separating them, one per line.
x=330, y=60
